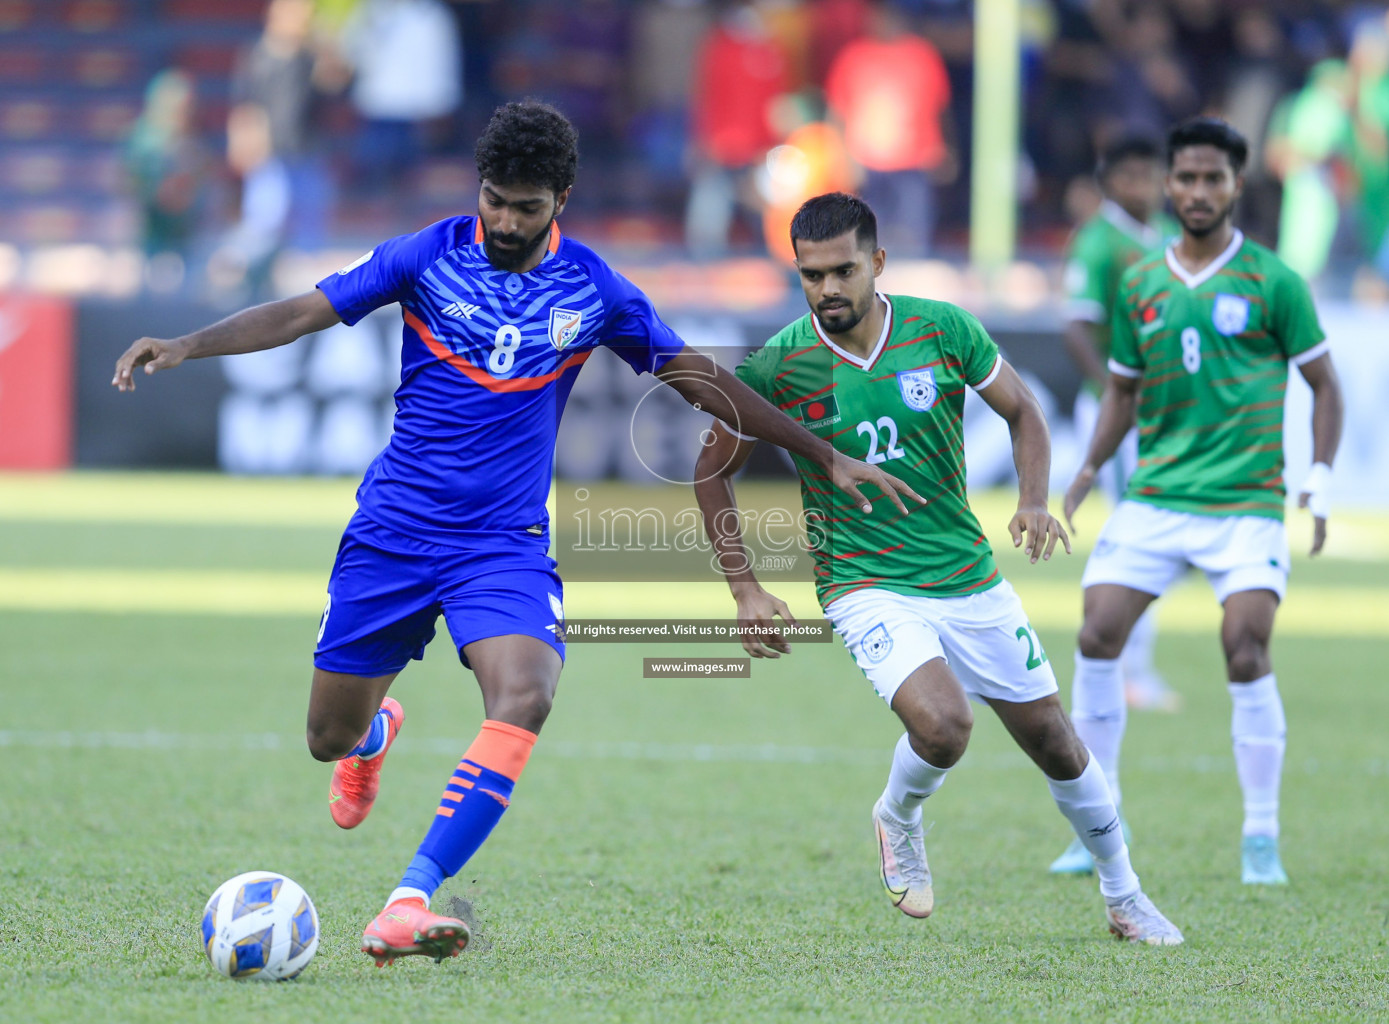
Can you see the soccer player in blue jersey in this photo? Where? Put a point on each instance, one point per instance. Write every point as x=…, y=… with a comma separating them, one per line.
x=500, y=312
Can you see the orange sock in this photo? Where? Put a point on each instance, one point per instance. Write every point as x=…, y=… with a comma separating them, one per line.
x=503, y=748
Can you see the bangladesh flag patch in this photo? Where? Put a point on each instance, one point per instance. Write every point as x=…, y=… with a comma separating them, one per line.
x=1150, y=318
x=820, y=412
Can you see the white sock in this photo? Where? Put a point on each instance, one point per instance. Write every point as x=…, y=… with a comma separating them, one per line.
x=909, y=783
x=1259, y=728
x=1087, y=805
x=1137, y=658
x=406, y=893
x=1099, y=713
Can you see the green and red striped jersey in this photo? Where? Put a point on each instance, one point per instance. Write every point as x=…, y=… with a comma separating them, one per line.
x=1213, y=350
x=901, y=408
x=1098, y=254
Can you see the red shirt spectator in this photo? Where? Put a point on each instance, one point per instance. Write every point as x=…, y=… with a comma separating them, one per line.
x=740, y=71
x=834, y=24
x=890, y=95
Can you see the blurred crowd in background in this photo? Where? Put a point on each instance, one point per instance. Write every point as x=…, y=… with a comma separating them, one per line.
x=219, y=134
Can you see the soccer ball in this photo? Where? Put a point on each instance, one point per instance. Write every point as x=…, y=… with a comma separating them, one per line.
x=261, y=926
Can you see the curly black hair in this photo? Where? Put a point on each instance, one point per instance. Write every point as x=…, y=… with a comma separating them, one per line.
x=528, y=143
x=1209, y=131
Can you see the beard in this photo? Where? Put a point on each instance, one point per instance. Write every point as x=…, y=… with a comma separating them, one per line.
x=1214, y=224
x=844, y=319
x=511, y=258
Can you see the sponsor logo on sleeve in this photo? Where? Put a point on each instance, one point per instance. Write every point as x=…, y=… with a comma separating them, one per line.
x=357, y=262
x=918, y=388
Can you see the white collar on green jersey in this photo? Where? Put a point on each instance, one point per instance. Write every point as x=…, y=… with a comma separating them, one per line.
x=1210, y=269
x=1144, y=234
x=862, y=364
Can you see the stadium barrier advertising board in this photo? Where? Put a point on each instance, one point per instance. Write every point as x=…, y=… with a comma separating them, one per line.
x=171, y=419
x=35, y=383
x=324, y=405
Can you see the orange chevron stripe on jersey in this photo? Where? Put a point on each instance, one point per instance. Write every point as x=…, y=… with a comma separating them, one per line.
x=553, y=245
x=480, y=376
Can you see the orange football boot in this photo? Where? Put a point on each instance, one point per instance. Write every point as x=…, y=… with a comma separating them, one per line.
x=407, y=928
x=355, y=781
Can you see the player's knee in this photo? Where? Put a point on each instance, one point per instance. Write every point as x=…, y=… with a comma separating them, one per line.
x=1246, y=658
x=1057, y=750
x=1100, y=639
x=328, y=743
x=526, y=705
x=942, y=736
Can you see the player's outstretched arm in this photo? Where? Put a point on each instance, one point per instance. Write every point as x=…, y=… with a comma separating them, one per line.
x=757, y=609
x=260, y=327
x=1118, y=407
x=1014, y=401
x=1328, y=412
x=705, y=385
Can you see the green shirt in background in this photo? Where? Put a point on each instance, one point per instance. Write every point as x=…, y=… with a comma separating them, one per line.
x=1098, y=254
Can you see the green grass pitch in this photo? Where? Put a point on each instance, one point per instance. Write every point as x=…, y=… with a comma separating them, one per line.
x=677, y=850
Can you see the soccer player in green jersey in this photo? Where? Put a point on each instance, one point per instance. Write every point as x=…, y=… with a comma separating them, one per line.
x=916, y=597
x=1203, y=335
x=1130, y=223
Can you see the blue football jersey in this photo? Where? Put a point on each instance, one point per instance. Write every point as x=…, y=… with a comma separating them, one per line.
x=487, y=363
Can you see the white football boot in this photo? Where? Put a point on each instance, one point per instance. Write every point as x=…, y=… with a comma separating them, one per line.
x=902, y=863
x=1136, y=919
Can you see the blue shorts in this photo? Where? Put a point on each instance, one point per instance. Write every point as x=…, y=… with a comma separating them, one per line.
x=388, y=590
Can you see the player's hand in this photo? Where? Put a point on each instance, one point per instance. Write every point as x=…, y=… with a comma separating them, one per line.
x=151, y=353
x=1076, y=493
x=1316, y=498
x=756, y=622
x=848, y=474
x=1040, y=529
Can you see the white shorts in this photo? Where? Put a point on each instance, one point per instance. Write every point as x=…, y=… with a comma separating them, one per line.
x=1147, y=548
x=984, y=637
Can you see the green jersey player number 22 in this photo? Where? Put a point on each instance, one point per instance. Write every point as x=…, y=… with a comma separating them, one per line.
x=917, y=598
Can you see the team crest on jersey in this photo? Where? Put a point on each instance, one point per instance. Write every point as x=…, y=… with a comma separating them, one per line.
x=1230, y=314
x=877, y=643
x=918, y=388
x=564, y=326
